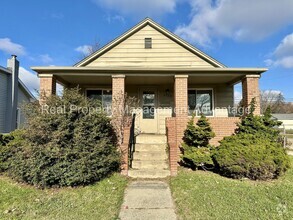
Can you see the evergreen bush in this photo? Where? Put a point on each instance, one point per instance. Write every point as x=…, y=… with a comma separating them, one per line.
x=75, y=145
x=255, y=151
x=196, y=151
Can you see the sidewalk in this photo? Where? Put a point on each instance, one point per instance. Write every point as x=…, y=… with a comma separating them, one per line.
x=145, y=200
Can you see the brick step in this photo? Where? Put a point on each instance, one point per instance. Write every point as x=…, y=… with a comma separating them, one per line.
x=151, y=139
x=150, y=155
x=148, y=173
x=150, y=147
x=149, y=164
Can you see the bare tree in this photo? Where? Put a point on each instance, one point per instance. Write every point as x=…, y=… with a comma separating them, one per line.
x=87, y=50
x=287, y=108
x=273, y=99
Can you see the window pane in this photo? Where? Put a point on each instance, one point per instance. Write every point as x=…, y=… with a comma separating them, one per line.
x=148, y=112
x=95, y=94
x=107, y=98
x=107, y=101
x=148, y=105
x=148, y=98
x=191, y=101
x=204, y=102
x=148, y=43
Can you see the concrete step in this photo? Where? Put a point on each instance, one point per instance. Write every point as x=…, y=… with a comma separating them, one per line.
x=148, y=173
x=149, y=164
x=151, y=147
x=150, y=155
x=151, y=139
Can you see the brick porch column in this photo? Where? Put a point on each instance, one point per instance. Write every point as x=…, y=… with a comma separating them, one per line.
x=250, y=90
x=181, y=114
x=47, y=86
x=118, y=92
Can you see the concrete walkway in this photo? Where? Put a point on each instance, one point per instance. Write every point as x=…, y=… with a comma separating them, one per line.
x=145, y=200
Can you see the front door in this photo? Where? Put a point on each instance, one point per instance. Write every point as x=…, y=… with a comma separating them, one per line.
x=148, y=116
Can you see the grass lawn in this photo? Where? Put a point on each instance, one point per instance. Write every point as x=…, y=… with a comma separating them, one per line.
x=205, y=195
x=99, y=201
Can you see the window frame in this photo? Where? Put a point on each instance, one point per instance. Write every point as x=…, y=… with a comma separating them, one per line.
x=213, y=100
x=148, y=41
x=102, y=89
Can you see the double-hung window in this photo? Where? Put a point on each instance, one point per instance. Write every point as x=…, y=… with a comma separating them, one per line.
x=104, y=96
x=200, y=101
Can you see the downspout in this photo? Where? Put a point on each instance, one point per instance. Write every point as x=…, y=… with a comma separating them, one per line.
x=13, y=65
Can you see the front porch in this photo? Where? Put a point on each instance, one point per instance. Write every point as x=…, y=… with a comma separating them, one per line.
x=162, y=95
x=166, y=98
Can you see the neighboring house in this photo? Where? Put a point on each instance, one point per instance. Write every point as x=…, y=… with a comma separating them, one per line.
x=286, y=119
x=13, y=93
x=166, y=74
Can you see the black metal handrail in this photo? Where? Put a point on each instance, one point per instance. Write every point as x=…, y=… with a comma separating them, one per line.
x=131, y=148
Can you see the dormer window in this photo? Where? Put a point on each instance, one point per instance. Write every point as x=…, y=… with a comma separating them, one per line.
x=148, y=43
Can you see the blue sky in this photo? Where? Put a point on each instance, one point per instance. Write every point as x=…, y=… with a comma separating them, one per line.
x=251, y=33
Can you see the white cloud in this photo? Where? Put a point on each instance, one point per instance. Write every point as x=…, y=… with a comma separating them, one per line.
x=45, y=58
x=114, y=18
x=30, y=79
x=273, y=92
x=237, y=96
x=85, y=49
x=141, y=8
x=249, y=20
x=9, y=47
x=283, y=54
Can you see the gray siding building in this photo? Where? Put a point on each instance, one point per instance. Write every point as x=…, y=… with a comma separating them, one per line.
x=13, y=94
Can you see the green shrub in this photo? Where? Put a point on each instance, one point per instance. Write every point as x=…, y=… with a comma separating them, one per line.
x=196, y=149
x=4, y=139
x=200, y=135
x=254, y=152
x=10, y=144
x=250, y=156
x=197, y=157
x=69, y=148
x=264, y=125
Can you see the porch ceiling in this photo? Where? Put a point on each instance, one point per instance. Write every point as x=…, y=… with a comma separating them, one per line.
x=149, y=80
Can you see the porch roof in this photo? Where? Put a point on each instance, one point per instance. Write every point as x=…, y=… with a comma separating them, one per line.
x=92, y=75
x=68, y=70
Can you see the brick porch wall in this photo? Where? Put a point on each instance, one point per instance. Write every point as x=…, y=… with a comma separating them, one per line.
x=222, y=126
x=124, y=150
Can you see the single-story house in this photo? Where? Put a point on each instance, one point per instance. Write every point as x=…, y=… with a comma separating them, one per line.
x=168, y=75
x=286, y=119
x=13, y=94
